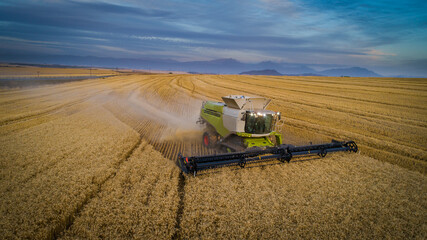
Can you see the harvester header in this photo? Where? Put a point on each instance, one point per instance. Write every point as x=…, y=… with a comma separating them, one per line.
x=283, y=153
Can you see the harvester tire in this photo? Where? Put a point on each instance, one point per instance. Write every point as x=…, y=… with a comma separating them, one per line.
x=209, y=140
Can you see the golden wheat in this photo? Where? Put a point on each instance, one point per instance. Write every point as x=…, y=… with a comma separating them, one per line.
x=140, y=202
x=95, y=159
x=342, y=196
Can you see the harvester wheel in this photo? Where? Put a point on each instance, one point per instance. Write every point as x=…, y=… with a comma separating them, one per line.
x=209, y=140
x=322, y=153
x=353, y=146
x=206, y=139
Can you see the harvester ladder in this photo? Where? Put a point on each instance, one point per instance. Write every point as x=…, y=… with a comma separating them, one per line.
x=279, y=126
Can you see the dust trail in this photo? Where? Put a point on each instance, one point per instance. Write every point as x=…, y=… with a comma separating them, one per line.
x=172, y=117
x=156, y=111
x=162, y=114
x=178, y=126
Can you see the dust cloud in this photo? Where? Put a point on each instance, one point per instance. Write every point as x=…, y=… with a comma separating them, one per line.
x=175, y=120
x=179, y=118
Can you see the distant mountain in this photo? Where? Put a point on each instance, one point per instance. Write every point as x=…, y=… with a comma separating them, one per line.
x=272, y=72
x=222, y=66
x=221, y=61
x=306, y=74
x=350, y=72
x=267, y=72
x=218, y=66
x=287, y=68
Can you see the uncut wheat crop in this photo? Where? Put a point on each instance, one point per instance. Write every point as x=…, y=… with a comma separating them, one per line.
x=95, y=159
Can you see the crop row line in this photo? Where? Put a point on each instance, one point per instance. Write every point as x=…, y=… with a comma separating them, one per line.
x=69, y=220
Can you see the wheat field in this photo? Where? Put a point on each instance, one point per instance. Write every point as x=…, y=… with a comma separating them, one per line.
x=16, y=71
x=95, y=159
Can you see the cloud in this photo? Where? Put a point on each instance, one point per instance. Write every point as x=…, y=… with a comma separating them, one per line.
x=375, y=52
x=115, y=49
x=167, y=39
x=4, y=38
x=93, y=39
x=280, y=6
x=376, y=17
x=118, y=9
x=330, y=32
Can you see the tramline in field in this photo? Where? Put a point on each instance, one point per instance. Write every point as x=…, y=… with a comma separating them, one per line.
x=244, y=129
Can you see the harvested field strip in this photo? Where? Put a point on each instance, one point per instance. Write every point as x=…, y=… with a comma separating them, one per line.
x=46, y=108
x=354, y=90
x=30, y=115
x=46, y=91
x=58, y=92
x=59, y=105
x=41, y=119
x=360, y=91
x=340, y=96
x=376, y=83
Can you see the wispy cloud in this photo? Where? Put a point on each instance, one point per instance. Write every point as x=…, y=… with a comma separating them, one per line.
x=167, y=39
x=13, y=39
x=375, y=52
x=280, y=6
x=115, y=49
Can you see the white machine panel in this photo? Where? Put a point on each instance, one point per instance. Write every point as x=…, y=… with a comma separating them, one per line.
x=232, y=119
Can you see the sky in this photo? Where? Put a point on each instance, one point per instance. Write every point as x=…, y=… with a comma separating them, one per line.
x=389, y=37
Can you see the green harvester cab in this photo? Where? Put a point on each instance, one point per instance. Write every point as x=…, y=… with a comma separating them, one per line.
x=238, y=123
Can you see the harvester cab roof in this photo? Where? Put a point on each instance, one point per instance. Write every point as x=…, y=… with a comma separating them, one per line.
x=246, y=102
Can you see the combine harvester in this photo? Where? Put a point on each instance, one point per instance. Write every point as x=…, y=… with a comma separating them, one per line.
x=243, y=129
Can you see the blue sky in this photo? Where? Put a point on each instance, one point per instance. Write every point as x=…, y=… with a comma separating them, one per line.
x=389, y=37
